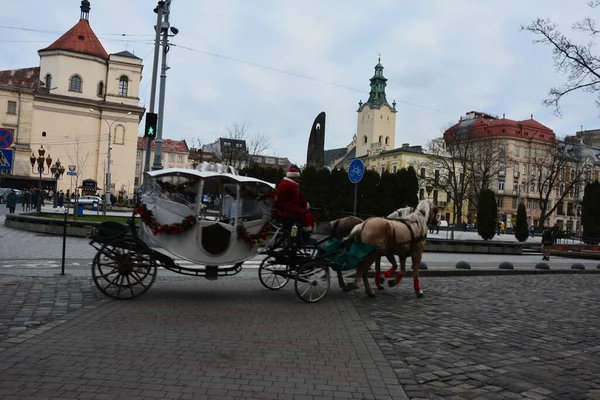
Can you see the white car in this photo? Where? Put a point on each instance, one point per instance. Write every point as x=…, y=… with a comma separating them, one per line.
x=88, y=200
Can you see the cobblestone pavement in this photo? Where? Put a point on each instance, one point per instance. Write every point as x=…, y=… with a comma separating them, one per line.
x=520, y=337
x=194, y=339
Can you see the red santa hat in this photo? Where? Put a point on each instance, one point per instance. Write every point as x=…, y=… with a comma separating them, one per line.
x=293, y=173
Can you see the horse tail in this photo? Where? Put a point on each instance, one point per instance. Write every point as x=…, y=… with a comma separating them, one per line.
x=334, y=228
x=354, y=235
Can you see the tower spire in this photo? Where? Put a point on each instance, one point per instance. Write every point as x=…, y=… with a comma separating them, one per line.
x=85, y=10
x=378, y=83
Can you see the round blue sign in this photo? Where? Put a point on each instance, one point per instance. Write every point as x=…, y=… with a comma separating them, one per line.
x=356, y=170
x=6, y=138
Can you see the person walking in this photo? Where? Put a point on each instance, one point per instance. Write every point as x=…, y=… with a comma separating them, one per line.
x=60, y=201
x=546, y=243
x=11, y=201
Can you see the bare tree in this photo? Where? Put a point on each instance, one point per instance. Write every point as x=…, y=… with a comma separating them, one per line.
x=256, y=143
x=486, y=159
x=577, y=61
x=560, y=168
x=450, y=163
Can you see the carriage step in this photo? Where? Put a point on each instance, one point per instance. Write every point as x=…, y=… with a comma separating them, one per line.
x=212, y=272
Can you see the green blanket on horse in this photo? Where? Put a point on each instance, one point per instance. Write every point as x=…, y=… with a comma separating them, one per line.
x=344, y=257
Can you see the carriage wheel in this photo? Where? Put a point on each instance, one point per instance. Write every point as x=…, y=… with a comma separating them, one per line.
x=122, y=272
x=312, y=281
x=273, y=275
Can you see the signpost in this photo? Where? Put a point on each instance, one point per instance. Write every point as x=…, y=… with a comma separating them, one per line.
x=6, y=159
x=356, y=171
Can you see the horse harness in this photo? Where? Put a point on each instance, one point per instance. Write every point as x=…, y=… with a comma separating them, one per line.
x=413, y=240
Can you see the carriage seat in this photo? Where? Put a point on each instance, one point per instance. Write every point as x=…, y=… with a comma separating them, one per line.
x=287, y=220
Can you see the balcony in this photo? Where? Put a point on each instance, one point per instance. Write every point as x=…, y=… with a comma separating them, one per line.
x=516, y=174
x=502, y=173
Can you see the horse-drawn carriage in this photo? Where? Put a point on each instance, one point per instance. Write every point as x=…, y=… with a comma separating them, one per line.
x=215, y=219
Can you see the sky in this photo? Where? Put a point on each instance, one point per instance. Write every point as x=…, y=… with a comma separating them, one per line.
x=275, y=65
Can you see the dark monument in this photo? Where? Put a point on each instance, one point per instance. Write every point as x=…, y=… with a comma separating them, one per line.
x=316, y=143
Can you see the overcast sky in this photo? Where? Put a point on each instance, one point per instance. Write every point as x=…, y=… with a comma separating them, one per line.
x=442, y=58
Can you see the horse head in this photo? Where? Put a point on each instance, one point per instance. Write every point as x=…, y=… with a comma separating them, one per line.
x=428, y=210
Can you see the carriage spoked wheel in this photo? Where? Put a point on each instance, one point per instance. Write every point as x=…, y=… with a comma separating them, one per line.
x=272, y=274
x=312, y=281
x=123, y=272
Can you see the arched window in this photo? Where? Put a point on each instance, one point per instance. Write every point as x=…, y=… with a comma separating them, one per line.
x=48, y=81
x=365, y=139
x=119, y=134
x=380, y=139
x=123, y=85
x=75, y=84
x=387, y=140
x=100, y=89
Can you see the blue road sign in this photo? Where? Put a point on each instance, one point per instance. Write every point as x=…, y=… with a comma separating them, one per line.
x=6, y=159
x=71, y=173
x=6, y=138
x=356, y=170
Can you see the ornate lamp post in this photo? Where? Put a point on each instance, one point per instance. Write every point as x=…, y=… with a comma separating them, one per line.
x=429, y=189
x=42, y=170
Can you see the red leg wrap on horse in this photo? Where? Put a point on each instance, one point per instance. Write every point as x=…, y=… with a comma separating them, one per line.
x=377, y=279
x=389, y=272
x=417, y=286
x=399, y=278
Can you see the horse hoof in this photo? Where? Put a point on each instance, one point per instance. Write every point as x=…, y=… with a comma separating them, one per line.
x=380, y=287
x=420, y=295
x=371, y=294
x=392, y=283
x=349, y=287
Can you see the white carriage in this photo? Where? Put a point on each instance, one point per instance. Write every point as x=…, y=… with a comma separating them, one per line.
x=209, y=216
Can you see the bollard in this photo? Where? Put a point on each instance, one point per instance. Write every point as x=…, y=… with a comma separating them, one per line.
x=463, y=265
x=422, y=265
x=542, y=265
x=578, y=266
x=506, y=265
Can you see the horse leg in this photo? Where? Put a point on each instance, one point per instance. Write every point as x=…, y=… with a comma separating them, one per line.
x=394, y=267
x=356, y=283
x=399, y=277
x=365, y=276
x=341, y=280
x=378, y=274
x=416, y=259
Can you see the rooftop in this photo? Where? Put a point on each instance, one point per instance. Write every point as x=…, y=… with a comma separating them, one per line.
x=27, y=78
x=168, y=145
x=80, y=39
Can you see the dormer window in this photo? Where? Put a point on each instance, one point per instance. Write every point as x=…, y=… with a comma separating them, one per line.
x=123, y=85
x=48, y=81
x=75, y=84
x=100, y=92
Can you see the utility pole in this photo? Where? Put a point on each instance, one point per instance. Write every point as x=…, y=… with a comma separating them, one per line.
x=163, y=82
x=158, y=29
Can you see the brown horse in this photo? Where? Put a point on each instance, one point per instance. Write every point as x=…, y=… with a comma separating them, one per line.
x=341, y=228
x=400, y=237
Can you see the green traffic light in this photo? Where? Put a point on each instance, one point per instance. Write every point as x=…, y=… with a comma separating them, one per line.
x=150, y=131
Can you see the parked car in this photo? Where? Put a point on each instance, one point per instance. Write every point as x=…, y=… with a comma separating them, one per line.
x=88, y=200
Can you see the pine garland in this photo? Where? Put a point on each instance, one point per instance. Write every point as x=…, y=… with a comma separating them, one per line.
x=169, y=229
x=253, y=239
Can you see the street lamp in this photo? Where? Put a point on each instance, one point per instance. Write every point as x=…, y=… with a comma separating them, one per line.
x=429, y=188
x=107, y=178
x=44, y=167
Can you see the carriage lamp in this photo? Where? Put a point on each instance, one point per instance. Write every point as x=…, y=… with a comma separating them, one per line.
x=429, y=188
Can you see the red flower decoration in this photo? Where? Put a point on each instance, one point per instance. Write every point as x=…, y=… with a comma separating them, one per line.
x=173, y=229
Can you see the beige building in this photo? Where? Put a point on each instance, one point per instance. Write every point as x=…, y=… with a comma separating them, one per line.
x=71, y=104
x=175, y=154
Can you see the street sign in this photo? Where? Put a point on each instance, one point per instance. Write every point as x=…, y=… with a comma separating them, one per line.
x=71, y=168
x=71, y=173
x=356, y=170
x=6, y=159
x=6, y=138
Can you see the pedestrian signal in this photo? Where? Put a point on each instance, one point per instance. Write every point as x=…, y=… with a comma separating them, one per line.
x=150, y=130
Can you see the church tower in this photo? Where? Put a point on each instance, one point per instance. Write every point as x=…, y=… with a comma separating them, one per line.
x=376, y=125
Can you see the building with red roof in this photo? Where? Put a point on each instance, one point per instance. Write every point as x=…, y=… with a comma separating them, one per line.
x=77, y=98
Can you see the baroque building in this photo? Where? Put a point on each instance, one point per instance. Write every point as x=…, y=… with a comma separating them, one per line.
x=72, y=105
x=175, y=154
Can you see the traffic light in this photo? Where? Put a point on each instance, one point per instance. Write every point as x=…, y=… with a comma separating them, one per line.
x=150, y=130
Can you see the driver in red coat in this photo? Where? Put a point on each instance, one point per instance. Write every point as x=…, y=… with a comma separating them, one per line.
x=290, y=203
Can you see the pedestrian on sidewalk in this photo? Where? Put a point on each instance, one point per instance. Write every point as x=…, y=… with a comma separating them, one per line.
x=11, y=201
x=26, y=200
x=546, y=243
x=532, y=231
x=60, y=201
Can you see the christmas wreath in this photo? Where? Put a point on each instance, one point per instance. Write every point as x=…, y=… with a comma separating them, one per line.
x=253, y=239
x=168, y=229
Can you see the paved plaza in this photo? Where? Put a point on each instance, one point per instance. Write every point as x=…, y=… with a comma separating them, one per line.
x=471, y=337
